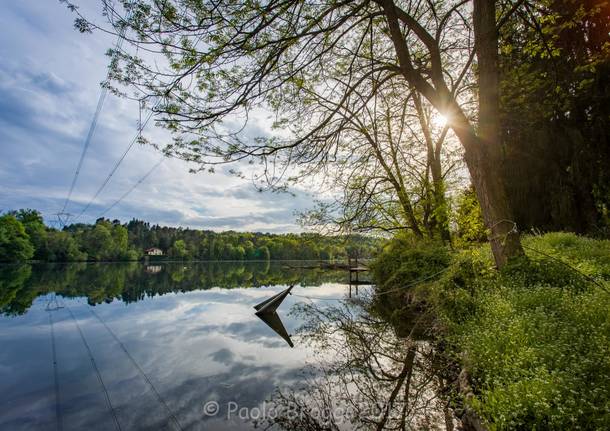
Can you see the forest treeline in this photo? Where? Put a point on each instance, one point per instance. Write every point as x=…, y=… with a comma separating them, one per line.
x=24, y=236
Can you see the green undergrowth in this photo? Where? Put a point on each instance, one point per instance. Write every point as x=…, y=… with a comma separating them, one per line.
x=534, y=337
x=402, y=267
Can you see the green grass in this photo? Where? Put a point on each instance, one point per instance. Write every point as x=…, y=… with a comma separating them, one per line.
x=534, y=337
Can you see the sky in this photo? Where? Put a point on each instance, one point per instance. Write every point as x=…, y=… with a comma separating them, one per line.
x=49, y=89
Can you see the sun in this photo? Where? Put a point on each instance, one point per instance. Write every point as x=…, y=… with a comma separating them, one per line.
x=439, y=120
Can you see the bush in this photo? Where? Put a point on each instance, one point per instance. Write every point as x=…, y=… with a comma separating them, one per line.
x=534, y=337
x=469, y=219
x=398, y=272
x=454, y=294
x=15, y=245
x=404, y=260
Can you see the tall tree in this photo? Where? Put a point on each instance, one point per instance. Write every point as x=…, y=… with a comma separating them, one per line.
x=481, y=144
x=225, y=60
x=486, y=159
x=35, y=228
x=391, y=170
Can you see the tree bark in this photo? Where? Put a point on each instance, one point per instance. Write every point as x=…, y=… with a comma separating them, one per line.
x=484, y=155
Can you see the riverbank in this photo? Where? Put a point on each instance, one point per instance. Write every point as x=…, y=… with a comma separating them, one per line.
x=533, y=339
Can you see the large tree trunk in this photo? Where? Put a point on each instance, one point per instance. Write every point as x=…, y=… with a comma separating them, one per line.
x=486, y=176
x=484, y=152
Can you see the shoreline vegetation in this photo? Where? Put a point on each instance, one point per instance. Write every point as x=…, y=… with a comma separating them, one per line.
x=526, y=347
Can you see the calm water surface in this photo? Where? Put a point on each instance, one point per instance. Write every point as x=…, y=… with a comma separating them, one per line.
x=103, y=346
x=178, y=346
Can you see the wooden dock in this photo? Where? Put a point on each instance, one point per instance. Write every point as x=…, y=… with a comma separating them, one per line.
x=354, y=270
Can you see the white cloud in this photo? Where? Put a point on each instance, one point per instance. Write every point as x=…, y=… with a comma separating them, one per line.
x=49, y=86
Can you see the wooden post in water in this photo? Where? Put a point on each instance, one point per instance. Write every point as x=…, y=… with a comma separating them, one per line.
x=349, y=269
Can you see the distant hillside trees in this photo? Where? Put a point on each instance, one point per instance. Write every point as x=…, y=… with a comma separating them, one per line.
x=106, y=241
x=24, y=236
x=63, y=247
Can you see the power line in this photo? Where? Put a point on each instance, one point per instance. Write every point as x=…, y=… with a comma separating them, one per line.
x=117, y=164
x=140, y=370
x=62, y=216
x=58, y=416
x=100, y=104
x=92, y=126
x=97, y=372
x=140, y=181
x=141, y=126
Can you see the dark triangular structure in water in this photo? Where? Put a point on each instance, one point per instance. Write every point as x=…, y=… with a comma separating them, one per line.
x=274, y=322
x=271, y=304
x=266, y=312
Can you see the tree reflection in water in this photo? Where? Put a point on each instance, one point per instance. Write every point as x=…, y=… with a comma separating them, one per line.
x=368, y=377
x=132, y=282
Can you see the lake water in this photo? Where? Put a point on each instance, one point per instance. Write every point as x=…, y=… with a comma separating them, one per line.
x=178, y=346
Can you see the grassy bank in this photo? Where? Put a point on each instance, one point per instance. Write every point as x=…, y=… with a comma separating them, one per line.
x=534, y=337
